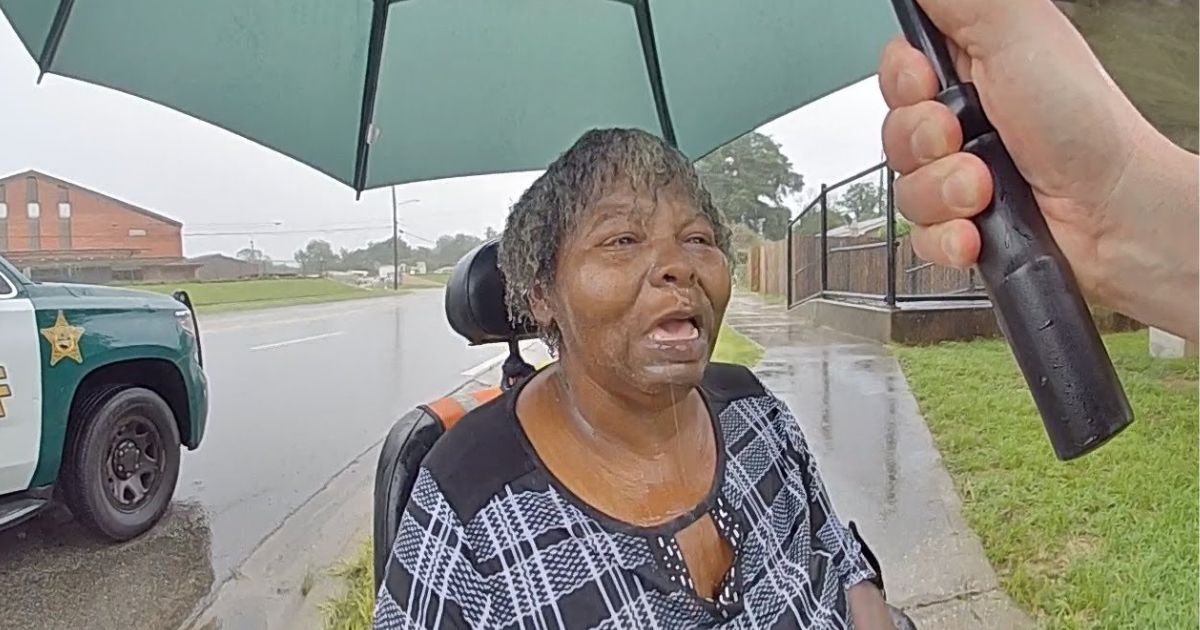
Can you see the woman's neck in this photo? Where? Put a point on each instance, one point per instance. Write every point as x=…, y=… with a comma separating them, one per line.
x=646, y=425
x=642, y=461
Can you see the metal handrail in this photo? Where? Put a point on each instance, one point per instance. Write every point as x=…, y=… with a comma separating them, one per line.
x=862, y=246
x=890, y=295
x=858, y=175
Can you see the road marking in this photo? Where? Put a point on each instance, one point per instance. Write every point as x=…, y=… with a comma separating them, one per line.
x=496, y=360
x=280, y=344
x=265, y=319
x=242, y=320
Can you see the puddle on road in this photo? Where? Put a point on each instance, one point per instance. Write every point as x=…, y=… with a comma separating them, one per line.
x=768, y=369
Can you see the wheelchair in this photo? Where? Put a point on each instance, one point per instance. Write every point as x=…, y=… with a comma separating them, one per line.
x=476, y=310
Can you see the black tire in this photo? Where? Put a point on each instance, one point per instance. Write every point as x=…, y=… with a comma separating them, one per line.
x=121, y=462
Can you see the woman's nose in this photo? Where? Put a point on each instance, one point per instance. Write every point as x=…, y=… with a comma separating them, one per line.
x=673, y=265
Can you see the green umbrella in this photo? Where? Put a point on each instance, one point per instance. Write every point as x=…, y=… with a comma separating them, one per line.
x=380, y=93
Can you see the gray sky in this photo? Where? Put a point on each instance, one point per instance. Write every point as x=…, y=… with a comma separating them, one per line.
x=216, y=182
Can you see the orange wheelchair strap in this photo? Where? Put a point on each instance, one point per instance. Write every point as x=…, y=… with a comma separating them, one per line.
x=452, y=408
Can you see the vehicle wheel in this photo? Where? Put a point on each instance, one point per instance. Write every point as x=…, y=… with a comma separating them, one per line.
x=121, y=462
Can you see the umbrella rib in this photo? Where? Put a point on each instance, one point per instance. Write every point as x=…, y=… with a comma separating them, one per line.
x=370, y=87
x=53, y=37
x=641, y=10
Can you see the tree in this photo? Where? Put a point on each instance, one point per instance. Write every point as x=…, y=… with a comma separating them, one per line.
x=450, y=249
x=252, y=254
x=810, y=222
x=861, y=201
x=316, y=256
x=749, y=179
x=490, y=233
x=744, y=238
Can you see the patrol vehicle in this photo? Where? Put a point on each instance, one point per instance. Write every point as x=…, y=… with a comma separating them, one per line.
x=100, y=390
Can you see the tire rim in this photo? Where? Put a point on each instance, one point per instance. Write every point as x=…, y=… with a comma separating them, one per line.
x=135, y=463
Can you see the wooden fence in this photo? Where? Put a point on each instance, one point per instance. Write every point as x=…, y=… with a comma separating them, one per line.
x=856, y=265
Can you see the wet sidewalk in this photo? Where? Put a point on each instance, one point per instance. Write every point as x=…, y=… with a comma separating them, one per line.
x=880, y=466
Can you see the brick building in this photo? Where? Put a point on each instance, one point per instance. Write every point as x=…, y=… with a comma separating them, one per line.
x=55, y=230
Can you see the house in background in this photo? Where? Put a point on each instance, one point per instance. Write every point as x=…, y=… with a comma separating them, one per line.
x=858, y=228
x=223, y=267
x=55, y=230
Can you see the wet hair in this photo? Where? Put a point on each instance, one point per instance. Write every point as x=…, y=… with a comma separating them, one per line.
x=542, y=219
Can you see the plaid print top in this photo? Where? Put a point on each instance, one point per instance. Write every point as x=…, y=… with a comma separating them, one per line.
x=490, y=539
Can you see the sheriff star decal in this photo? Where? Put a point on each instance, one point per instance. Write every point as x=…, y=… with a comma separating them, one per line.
x=64, y=340
x=5, y=390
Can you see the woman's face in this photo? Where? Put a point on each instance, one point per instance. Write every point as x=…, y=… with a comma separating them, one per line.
x=640, y=290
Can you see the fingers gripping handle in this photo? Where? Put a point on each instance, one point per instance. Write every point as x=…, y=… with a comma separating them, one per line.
x=1038, y=303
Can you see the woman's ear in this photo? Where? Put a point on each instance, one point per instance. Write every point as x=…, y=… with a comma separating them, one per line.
x=540, y=307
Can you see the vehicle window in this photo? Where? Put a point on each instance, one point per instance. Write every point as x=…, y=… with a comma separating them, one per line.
x=7, y=287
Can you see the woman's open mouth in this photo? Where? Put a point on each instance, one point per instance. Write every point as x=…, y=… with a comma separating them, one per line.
x=679, y=338
x=675, y=330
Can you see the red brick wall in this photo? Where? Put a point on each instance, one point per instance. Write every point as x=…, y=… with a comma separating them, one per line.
x=97, y=222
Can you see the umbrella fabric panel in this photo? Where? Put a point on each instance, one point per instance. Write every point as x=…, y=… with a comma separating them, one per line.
x=31, y=19
x=733, y=65
x=285, y=73
x=463, y=86
x=478, y=86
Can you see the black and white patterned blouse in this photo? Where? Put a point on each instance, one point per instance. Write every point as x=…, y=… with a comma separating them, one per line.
x=490, y=539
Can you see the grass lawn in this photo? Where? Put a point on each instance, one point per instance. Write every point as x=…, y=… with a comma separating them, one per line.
x=734, y=347
x=211, y=297
x=437, y=278
x=1106, y=541
x=351, y=610
x=427, y=281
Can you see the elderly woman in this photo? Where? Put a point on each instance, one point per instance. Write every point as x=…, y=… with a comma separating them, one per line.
x=631, y=483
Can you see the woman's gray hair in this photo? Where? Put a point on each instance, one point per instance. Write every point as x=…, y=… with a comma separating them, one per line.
x=544, y=216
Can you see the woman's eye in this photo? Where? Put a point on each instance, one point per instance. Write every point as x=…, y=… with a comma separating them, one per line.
x=621, y=241
x=699, y=239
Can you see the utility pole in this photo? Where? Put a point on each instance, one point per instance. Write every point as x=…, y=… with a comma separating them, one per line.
x=396, y=239
x=254, y=257
x=395, y=244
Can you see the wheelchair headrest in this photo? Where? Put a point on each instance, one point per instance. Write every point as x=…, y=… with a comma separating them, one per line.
x=475, y=304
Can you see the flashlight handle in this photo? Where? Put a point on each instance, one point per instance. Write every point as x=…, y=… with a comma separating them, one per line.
x=1037, y=301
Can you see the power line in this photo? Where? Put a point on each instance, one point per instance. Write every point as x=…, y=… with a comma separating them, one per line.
x=363, y=228
x=108, y=237
x=185, y=234
x=417, y=236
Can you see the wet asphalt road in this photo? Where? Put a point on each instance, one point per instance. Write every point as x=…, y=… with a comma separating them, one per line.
x=296, y=394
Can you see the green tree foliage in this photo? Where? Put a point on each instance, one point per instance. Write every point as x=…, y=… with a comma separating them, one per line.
x=750, y=178
x=374, y=255
x=252, y=254
x=317, y=257
x=810, y=222
x=446, y=252
x=449, y=249
x=860, y=201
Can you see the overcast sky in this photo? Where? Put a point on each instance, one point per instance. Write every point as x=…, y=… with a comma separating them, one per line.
x=218, y=183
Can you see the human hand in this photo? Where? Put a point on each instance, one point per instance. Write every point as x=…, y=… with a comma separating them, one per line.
x=1071, y=132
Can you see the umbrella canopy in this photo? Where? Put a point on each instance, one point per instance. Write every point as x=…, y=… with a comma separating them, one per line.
x=379, y=93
